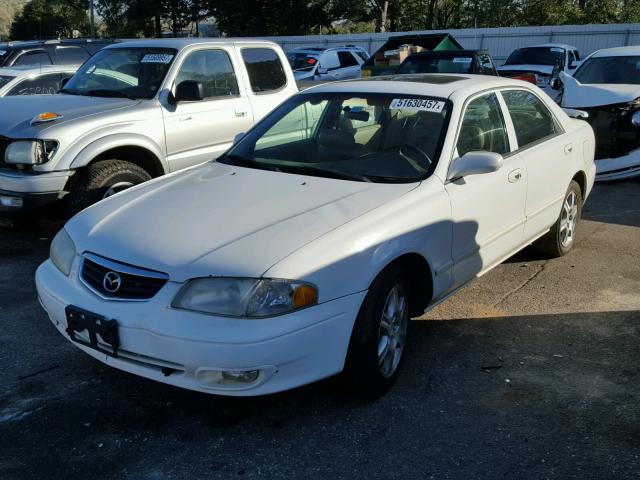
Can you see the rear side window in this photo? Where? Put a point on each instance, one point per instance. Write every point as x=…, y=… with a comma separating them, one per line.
x=532, y=120
x=71, y=55
x=266, y=73
x=213, y=69
x=34, y=57
x=41, y=85
x=347, y=59
x=483, y=128
x=485, y=65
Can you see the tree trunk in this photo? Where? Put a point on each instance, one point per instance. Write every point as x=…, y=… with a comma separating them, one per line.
x=157, y=25
x=384, y=11
x=431, y=8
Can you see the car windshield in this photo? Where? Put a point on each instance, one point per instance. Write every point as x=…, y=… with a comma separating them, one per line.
x=382, y=138
x=536, y=56
x=436, y=64
x=4, y=79
x=620, y=70
x=302, y=61
x=122, y=72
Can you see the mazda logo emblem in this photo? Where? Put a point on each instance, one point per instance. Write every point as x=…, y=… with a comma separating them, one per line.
x=112, y=282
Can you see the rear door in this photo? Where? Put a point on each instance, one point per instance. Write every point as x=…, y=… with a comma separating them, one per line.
x=547, y=155
x=34, y=57
x=487, y=209
x=202, y=130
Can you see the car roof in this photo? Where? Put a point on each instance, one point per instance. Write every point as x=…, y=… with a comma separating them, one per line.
x=30, y=70
x=180, y=43
x=316, y=50
x=39, y=43
x=441, y=85
x=618, y=52
x=556, y=45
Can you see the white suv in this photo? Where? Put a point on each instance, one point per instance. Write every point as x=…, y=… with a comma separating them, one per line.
x=318, y=63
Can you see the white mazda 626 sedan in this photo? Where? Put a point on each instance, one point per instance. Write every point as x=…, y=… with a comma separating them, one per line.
x=304, y=250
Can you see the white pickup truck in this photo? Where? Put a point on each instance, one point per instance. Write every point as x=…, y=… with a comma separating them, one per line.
x=134, y=111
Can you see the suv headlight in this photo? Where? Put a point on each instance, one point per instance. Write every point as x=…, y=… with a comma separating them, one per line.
x=245, y=297
x=30, y=152
x=635, y=118
x=62, y=251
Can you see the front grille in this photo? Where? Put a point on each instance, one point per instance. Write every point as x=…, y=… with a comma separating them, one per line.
x=134, y=283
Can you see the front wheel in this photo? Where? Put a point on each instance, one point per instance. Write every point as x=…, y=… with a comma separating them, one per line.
x=562, y=237
x=379, y=337
x=103, y=179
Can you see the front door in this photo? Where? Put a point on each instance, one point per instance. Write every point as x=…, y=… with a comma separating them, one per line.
x=487, y=209
x=202, y=130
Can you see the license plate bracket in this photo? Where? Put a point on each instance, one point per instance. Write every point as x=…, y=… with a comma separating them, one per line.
x=79, y=320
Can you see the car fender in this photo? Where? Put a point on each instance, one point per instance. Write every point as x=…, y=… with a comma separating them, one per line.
x=118, y=140
x=348, y=259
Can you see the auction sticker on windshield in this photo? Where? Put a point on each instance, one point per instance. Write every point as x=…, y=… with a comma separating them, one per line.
x=417, y=104
x=156, y=58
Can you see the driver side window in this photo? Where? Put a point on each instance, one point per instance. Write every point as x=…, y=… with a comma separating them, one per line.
x=483, y=127
x=213, y=69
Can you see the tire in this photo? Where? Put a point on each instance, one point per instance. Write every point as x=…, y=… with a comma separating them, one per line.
x=102, y=179
x=562, y=237
x=368, y=374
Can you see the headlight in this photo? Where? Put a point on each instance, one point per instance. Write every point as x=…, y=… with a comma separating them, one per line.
x=635, y=118
x=245, y=297
x=30, y=152
x=62, y=251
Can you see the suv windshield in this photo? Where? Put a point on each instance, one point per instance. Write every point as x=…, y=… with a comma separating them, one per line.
x=620, y=70
x=537, y=56
x=436, y=64
x=302, y=61
x=363, y=137
x=122, y=72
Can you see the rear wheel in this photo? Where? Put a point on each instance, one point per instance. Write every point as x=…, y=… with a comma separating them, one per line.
x=103, y=179
x=379, y=336
x=562, y=237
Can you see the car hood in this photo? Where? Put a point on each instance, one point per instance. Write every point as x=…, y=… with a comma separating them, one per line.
x=221, y=220
x=303, y=75
x=18, y=111
x=578, y=95
x=544, y=69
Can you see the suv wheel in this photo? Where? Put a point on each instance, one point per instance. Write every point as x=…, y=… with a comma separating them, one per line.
x=103, y=179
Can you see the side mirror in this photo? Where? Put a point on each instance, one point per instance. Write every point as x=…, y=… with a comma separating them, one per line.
x=555, y=83
x=238, y=137
x=475, y=163
x=189, y=91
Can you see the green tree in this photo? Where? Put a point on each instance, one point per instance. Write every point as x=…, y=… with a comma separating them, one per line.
x=50, y=19
x=9, y=10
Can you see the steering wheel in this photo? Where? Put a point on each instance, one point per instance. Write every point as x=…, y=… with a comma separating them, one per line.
x=403, y=148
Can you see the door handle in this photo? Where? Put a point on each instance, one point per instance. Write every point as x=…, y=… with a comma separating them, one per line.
x=515, y=175
x=568, y=149
x=241, y=114
x=185, y=119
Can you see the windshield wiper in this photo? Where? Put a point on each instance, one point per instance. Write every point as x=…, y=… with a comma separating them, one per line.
x=241, y=161
x=325, y=172
x=110, y=93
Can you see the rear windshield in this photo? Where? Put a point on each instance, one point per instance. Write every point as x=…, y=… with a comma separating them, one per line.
x=301, y=62
x=620, y=70
x=537, y=56
x=436, y=64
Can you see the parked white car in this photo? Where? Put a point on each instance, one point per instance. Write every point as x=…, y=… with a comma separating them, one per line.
x=134, y=111
x=34, y=80
x=541, y=60
x=318, y=63
x=607, y=88
x=305, y=249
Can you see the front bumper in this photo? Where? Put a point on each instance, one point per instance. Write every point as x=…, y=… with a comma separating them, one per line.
x=24, y=192
x=620, y=168
x=289, y=351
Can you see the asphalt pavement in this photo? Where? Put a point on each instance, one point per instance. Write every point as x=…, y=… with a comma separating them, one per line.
x=530, y=372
